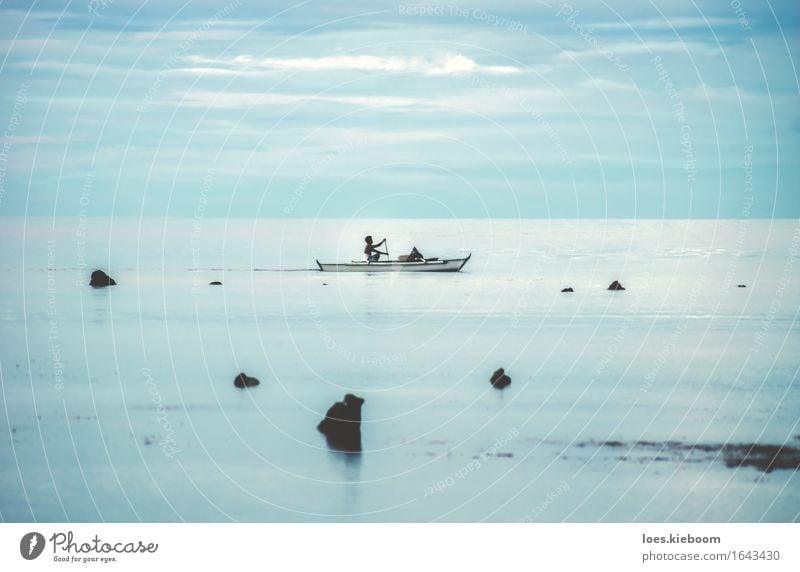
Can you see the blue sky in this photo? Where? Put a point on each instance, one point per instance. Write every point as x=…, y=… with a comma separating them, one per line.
x=418, y=109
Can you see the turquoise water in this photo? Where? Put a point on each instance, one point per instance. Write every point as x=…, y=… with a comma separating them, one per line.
x=119, y=403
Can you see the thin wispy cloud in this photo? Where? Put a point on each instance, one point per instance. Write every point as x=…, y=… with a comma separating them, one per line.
x=227, y=99
x=694, y=49
x=686, y=22
x=446, y=65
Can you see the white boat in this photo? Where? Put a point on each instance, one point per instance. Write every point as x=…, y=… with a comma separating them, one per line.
x=429, y=265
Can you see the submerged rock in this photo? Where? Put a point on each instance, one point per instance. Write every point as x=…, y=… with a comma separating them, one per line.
x=500, y=379
x=243, y=380
x=215, y=283
x=615, y=286
x=342, y=424
x=568, y=290
x=100, y=280
x=741, y=286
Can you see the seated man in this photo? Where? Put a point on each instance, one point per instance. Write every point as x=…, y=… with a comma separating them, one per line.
x=370, y=250
x=414, y=256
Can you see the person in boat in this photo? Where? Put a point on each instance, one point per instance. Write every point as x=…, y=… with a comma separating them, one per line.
x=414, y=256
x=371, y=251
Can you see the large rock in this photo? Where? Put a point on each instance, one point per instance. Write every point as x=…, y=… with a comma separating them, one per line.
x=100, y=280
x=615, y=286
x=342, y=424
x=500, y=379
x=568, y=290
x=215, y=283
x=243, y=380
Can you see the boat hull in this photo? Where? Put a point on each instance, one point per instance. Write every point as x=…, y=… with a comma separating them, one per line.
x=447, y=265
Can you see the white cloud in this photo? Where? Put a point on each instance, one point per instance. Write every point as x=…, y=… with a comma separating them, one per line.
x=607, y=85
x=245, y=99
x=462, y=65
x=40, y=140
x=447, y=65
x=694, y=49
x=666, y=23
x=703, y=91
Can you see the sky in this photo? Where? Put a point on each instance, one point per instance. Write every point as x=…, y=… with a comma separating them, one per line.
x=534, y=109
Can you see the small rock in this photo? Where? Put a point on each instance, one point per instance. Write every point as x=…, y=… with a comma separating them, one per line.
x=500, y=379
x=741, y=286
x=615, y=286
x=568, y=290
x=100, y=280
x=324, y=283
x=243, y=380
x=342, y=424
x=215, y=283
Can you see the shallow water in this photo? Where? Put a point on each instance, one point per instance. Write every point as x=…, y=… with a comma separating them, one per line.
x=119, y=403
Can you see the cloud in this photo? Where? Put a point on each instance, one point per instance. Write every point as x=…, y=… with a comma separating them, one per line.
x=693, y=49
x=667, y=23
x=448, y=65
x=706, y=92
x=462, y=65
x=246, y=99
x=39, y=140
x=607, y=85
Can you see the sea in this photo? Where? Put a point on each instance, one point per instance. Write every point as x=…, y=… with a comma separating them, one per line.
x=634, y=405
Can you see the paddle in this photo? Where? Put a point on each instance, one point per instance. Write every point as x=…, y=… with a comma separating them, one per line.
x=386, y=246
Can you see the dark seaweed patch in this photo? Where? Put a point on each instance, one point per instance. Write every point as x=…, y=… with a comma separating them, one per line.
x=765, y=458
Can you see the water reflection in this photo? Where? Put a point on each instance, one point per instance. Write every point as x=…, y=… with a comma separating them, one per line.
x=347, y=465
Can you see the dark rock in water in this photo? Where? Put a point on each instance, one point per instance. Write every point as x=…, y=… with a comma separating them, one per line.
x=243, y=380
x=100, y=280
x=741, y=286
x=215, y=283
x=500, y=379
x=342, y=424
x=568, y=290
x=615, y=286
x=324, y=283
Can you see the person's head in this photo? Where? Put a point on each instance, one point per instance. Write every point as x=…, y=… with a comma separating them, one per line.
x=368, y=240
